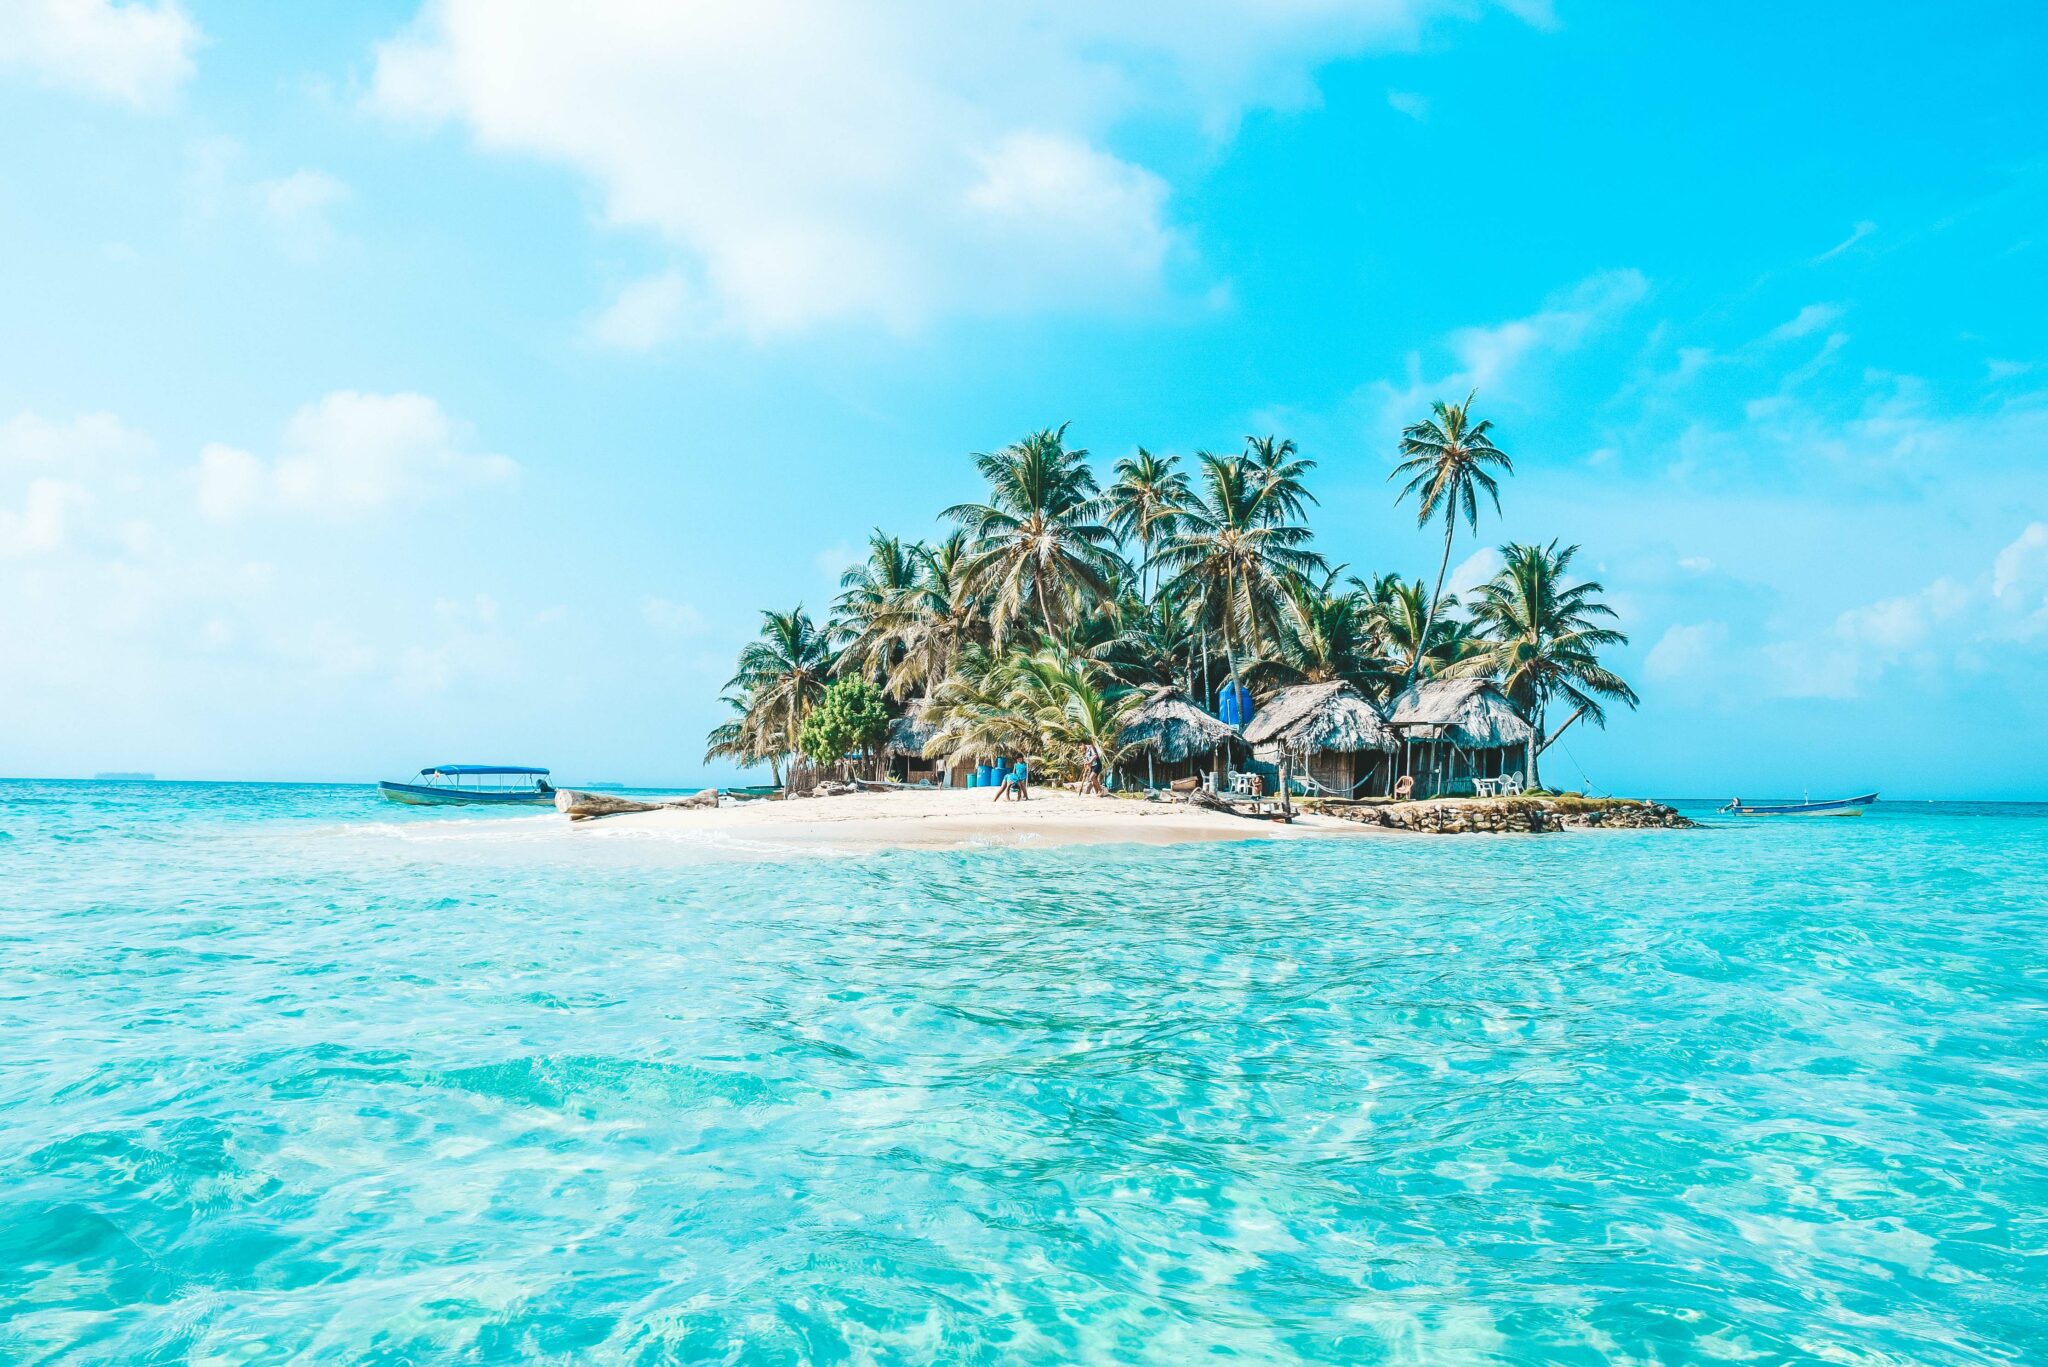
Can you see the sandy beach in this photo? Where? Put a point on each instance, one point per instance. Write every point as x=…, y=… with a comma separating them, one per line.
x=945, y=818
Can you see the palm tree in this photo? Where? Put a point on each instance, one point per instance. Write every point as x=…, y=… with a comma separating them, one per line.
x=1232, y=550
x=1279, y=473
x=871, y=612
x=1037, y=537
x=939, y=617
x=1143, y=502
x=1447, y=459
x=1324, y=635
x=1542, y=636
x=779, y=678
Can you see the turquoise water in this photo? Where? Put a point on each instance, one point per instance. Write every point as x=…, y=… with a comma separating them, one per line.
x=290, y=1074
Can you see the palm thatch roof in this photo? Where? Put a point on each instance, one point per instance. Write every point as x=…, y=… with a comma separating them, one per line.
x=908, y=736
x=1175, y=730
x=1313, y=718
x=1471, y=713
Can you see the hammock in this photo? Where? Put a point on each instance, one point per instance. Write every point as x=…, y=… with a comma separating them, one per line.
x=1311, y=788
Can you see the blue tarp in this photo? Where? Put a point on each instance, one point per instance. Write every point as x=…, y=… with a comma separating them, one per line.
x=453, y=769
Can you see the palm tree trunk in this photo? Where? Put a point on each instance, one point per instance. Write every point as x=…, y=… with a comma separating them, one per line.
x=1429, y=617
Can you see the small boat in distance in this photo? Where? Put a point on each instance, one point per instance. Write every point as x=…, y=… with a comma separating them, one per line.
x=1841, y=806
x=494, y=785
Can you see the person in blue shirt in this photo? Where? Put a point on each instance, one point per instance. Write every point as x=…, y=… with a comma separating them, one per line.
x=1016, y=784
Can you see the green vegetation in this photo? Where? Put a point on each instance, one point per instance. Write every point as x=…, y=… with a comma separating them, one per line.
x=1030, y=629
x=848, y=719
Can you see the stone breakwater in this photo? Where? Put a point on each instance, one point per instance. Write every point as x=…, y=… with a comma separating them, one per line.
x=1463, y=816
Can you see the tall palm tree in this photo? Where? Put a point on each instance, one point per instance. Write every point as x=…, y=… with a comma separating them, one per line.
x=780, y=677
x=870, y=614
x=1542, y=637
x=1038, y=536
x=1447, y=465
x=1232, y=550
x=1143, y=501
x=939, y=618
x=1279, y=473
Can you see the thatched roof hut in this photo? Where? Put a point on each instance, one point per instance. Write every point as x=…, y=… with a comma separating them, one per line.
x=1319, y=718
x=908, y=736
x=1173, y=730
x=1472, y=714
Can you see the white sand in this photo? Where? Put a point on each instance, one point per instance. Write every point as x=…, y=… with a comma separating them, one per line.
x=948, y=818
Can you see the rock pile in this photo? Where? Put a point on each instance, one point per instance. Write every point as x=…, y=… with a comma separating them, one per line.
x=1463, y=816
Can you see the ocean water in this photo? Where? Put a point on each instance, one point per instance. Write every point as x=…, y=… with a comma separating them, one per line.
x=288, y=1074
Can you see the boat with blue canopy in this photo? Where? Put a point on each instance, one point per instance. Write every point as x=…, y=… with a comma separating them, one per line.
x=1841, y=806
x=468, y=785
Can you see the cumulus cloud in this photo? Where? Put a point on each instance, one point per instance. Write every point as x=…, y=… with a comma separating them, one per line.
x=350, y=453
x=1936, y=628
x=812, y=161
x=43, y=521
x=92, y=443
x=134, y=53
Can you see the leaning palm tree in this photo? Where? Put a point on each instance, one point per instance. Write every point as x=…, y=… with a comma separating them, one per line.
x=1448, y=456
x=1142, y=503
x=1280, y=474
x=1228, y=559
x=1037, y=537
x=1542, y=637
x=779, y=677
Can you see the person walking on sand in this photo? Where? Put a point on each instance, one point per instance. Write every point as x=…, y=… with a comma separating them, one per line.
x=1091, y=771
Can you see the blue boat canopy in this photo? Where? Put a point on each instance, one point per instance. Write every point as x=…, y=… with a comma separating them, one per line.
x=450, y=770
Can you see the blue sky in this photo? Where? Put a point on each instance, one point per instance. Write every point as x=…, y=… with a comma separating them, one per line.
x=384, y=384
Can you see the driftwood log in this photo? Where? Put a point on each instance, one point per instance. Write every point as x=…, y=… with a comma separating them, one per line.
x=1210, y=802
x=582, y=806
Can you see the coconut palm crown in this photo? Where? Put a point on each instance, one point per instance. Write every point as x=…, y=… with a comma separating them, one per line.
x=1449, y=462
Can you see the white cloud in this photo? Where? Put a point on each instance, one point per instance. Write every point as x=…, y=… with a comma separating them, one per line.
x=134, y=53
x=814, y=161
x=232, y=482
x=43, y=523
x=1474, y=570
x=1687, y=652
x=297, y=207
x=350, y=453
x=1943, y=626
x=93, y=443
x=645, y=314
x=1492, y=359
x=681, y=619
x=1810, y=319
x=1408, y=102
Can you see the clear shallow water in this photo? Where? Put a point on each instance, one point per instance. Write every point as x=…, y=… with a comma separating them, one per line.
x=287, y=1072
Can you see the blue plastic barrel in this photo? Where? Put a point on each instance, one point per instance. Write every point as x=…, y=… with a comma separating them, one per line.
x=982, y=773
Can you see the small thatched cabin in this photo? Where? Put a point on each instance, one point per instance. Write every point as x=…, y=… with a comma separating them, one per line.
x=904, y=757
x=1455, y=730
x=1171, y=738
x=1329, y=733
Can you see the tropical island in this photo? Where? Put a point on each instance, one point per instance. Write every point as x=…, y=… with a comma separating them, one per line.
x=1172, y=631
